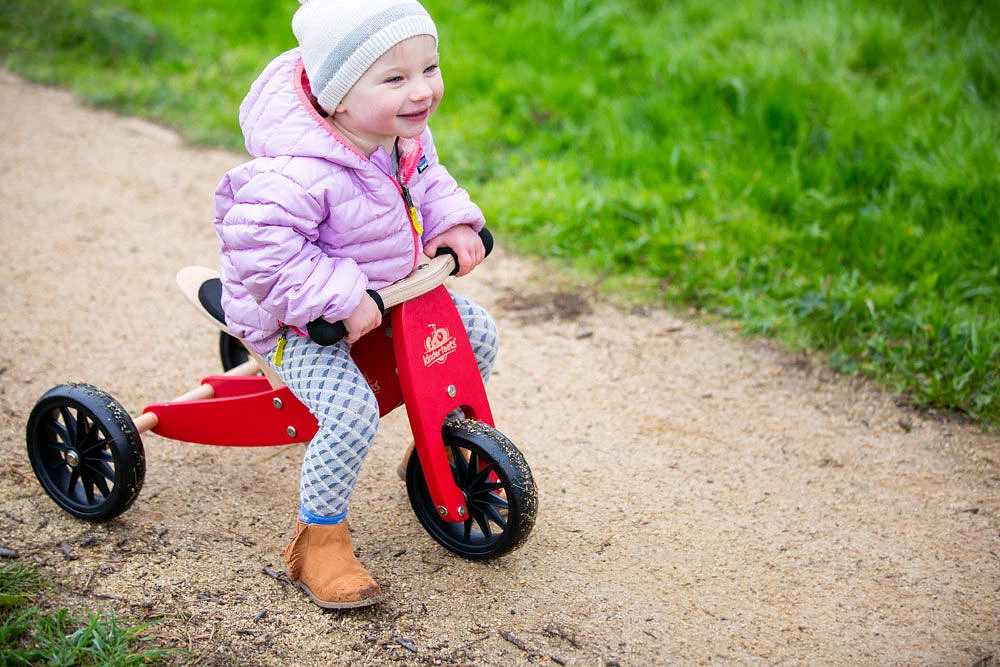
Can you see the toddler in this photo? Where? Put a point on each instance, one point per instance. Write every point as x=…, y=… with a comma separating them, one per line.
x=343, y=195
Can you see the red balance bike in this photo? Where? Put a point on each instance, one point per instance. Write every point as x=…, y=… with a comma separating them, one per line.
x=469, y=486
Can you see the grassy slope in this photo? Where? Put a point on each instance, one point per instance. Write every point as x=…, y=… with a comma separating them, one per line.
x=826, y=173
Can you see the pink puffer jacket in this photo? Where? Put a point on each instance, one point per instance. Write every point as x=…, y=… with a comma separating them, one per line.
x=309, y=224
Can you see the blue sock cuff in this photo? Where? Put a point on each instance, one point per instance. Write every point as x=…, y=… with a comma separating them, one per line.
x=305, y=516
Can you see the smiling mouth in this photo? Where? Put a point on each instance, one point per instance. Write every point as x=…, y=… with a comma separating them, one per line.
x=416, y=116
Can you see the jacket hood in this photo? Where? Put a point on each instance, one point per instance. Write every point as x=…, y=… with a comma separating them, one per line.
x=278, y=117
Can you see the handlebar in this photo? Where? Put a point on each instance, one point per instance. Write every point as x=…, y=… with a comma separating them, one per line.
x=423, y=279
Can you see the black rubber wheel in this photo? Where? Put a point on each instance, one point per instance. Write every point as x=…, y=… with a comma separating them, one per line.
x=499, y=491
x=232, y=351
x=85, y=451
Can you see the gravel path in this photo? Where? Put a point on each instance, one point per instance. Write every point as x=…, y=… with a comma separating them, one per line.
x=703, y=498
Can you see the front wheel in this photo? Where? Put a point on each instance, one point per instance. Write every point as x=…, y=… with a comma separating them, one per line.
x=85, y=451
x=499, y=491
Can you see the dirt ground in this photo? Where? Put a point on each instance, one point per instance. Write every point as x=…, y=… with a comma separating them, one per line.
x=703, y=498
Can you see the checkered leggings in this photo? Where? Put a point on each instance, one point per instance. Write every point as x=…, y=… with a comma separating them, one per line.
x=328, y=382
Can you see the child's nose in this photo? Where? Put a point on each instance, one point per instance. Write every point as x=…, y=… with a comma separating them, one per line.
x=420, y=91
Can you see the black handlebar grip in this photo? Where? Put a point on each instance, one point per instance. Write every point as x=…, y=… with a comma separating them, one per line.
x=328, y=333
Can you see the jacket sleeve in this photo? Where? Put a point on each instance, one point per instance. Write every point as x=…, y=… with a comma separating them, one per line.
x=268, y=242
x=445, y=204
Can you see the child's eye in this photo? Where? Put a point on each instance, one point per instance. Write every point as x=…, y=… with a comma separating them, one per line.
x=431, y=69
x=394, y=79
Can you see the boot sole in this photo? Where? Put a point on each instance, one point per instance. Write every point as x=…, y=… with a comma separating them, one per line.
x=354, y=604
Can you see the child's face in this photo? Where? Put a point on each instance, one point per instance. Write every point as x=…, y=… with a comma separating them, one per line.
x=394, y=98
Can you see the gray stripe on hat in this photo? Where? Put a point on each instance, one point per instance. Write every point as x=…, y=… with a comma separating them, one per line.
x=355, y=39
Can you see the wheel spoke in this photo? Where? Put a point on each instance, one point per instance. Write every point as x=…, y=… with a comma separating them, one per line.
x=99, y=473
x=489, y=489
x=81, y=426
x=479, y=481
x=494, y=515
x=61, y=441
x=471, y=471
x=92, y=437
x=487, y=496
x=71, y=481
x=88, y=486
x=484, y=504
x=467, y=528
x=484, y=525
x=58, y=465
x=99, y=445
x=101, y=455
x=102, y=466
x=60, y=428
x=67, y=426
x=459, y=464
x=56, y=432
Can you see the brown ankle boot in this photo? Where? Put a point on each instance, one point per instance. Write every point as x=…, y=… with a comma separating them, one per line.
x=321, y=562
x=401, y=468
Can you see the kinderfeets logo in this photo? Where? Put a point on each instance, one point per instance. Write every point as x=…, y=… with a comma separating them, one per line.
x=438, y=345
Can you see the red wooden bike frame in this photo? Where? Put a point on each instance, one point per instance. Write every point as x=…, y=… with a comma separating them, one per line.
x=423, y=358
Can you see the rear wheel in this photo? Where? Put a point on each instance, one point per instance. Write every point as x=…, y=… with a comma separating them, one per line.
x=499, y=490
x=231, y=351
x=85, y=451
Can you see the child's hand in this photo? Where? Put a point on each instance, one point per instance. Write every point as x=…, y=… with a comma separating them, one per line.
x=365, y=317
x=466, y=243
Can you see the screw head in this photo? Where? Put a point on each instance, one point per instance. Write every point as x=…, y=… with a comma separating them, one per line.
x=292, y=432
x=73, y=458
x=452, y=391
x=277, y=403
x=442, y=510
x=461, y=510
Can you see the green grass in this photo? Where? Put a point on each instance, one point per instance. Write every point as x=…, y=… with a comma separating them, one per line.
x=825, y=173
x=30, y=635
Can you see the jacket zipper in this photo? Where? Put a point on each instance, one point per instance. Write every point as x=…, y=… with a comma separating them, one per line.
x=411, y=210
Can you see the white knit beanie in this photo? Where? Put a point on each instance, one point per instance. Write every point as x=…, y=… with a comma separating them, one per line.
x=341, y=39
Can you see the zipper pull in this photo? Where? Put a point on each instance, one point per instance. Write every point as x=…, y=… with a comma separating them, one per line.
x=411, y=210
x=279, y=351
